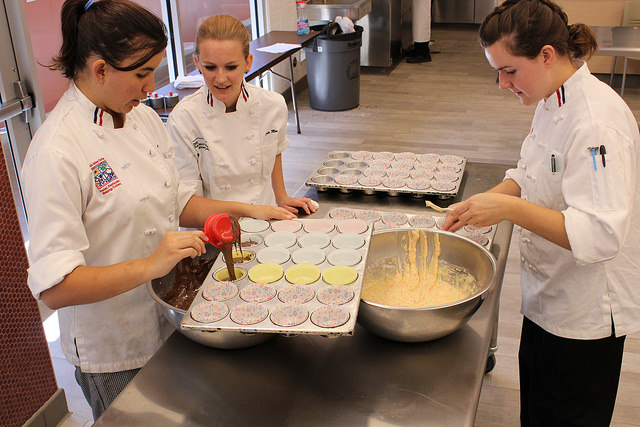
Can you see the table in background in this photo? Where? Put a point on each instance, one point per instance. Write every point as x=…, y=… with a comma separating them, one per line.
x=262, y=62
x=313, y=380
x=618, y=41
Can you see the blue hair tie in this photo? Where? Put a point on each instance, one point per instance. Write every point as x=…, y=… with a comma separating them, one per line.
x=88, y=5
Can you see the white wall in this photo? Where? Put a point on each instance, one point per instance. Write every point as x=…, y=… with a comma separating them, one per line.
x=280, y=15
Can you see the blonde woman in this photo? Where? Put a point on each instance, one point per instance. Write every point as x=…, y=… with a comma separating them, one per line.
x=229, y=136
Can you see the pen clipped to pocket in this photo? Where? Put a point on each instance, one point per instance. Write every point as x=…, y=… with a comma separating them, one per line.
x=554, y=162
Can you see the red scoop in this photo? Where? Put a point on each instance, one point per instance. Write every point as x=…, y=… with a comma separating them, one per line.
x=219, y=230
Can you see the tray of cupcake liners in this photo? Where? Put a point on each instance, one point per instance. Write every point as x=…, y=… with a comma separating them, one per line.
x=391, y=173
x=382, y=220
x=301, y=276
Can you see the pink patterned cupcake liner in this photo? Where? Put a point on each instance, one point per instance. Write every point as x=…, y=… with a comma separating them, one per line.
x=319, y=226
x=298, y=294
x=289, y=315
x=394, y=219
x=335, y=296
x=209, y=311
x=393, y=182
x=422, y=221
x=451, y=158
x=370, y=181
x=342, y=213
x=428, y=158
x=344, y=179
x=375, y=173
x=419, y=184
x=356, y=226
x=369, y=215
x=329, y=316
x=257, y=292
x=405, y=157
x=362, y=155
x=219, y=291
x=397, y=173
x=379, y=164
x=383, y=155
x=443, y=185
x=474, y=229
x=421, y=174
x=249, y=314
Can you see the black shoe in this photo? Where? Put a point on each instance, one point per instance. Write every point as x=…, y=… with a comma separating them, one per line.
x=419, y=53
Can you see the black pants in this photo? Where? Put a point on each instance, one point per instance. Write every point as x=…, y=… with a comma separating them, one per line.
x=567, y=382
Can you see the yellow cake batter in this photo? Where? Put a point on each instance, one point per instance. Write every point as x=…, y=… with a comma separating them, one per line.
x=416, y=283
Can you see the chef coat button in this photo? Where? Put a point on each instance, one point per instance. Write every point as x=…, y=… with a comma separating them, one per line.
x=227, y=187
x=526, y=240
x=135, y=126
x=252, y=180
x=167, y=183
x=250, y=136
x=252, y=111
x=253, y=161
x=216, y=140
x=522, y=259
x=172, y=218
x=151, y=153
x=150, y=232
x=144, y=197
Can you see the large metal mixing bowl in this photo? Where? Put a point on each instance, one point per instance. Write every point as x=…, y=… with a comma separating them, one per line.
x=217, y=339
x=410, y=324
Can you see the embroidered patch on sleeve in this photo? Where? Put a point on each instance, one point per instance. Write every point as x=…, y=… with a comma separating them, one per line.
x=104, y=177
x=200, y=144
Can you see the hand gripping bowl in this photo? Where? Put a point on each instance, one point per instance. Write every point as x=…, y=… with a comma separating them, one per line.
x=417, y=324
x=217, y=339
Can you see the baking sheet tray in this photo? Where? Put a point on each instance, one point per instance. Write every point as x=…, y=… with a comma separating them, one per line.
x=276, y=305
x=382, y=220
x=373, y=172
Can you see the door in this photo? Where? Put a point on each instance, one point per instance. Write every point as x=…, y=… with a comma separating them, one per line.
x=20, y=104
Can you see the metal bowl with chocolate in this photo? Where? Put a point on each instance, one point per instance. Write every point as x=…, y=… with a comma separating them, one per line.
x=174, y=293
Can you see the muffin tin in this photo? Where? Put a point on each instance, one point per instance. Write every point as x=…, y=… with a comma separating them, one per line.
x=305, y=277
x=382, y=220
x=391, y=173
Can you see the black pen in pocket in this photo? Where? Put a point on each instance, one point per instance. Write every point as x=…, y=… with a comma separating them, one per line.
x=603, y=151
x=554, y=168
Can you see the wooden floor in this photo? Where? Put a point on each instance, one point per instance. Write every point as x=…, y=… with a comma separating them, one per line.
x=450, y=105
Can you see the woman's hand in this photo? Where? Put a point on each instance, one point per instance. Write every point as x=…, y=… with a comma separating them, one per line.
x=480, y=210
x=292, y=204
x=175, y=246
x=269, y=212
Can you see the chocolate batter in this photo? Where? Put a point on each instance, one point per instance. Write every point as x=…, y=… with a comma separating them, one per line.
x=227, y=249
x=191, y=273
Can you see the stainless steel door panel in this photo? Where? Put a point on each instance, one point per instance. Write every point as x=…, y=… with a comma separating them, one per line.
x=482, y=9
x=453, y=11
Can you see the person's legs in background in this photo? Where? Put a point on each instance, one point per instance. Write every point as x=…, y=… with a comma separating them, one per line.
x=421, y=32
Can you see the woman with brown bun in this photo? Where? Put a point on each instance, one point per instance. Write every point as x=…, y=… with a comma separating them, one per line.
x=576, y=198
x=103, y=198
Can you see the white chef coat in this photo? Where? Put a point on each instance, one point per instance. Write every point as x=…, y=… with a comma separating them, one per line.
x=575, y=294
x=229, y=156
x=97, y=196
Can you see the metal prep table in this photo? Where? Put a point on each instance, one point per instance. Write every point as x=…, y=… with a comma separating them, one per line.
x=359, y=380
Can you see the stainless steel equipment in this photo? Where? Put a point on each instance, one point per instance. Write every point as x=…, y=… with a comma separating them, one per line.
x=327, y=10
x=417, y=324
x=462, y=11
x=359, y=380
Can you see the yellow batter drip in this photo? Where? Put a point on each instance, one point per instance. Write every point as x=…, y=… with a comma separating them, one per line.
x=416, y=283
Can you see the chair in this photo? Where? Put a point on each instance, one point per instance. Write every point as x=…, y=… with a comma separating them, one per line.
x=630, y=18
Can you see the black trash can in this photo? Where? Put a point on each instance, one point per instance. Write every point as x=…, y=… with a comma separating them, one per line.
x=333, y=69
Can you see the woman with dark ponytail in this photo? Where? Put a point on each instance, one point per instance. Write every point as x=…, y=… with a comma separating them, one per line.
x=103, y=197
x=575, y=194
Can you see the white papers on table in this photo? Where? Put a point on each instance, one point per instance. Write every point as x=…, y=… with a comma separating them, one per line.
x=185, y=82
x=278, y=47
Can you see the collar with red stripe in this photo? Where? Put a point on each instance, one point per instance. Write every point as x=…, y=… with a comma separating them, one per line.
x=98, y=116
x=560, y=96
x=243, y=91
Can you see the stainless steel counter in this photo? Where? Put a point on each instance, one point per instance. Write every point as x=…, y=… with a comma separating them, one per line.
x=360, y=380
